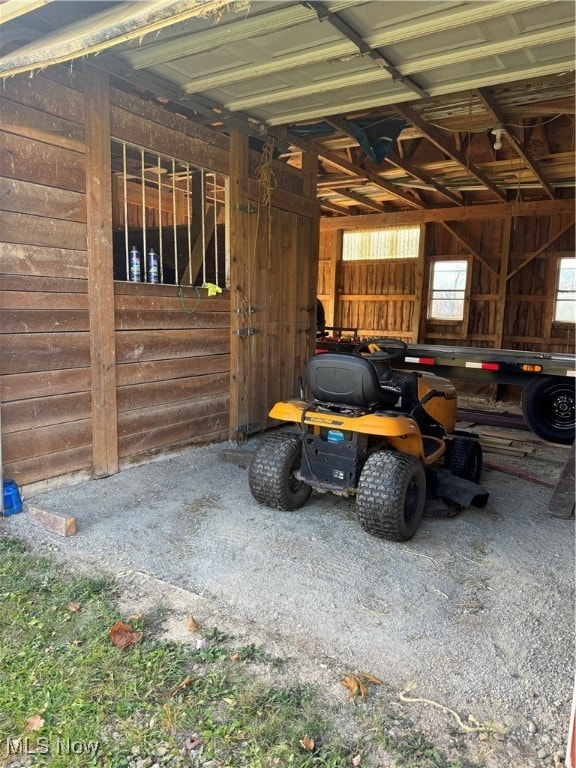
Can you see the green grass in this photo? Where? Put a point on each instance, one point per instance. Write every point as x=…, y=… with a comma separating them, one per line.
x=104, y=706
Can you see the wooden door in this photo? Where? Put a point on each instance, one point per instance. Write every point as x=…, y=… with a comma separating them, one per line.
x=273, y=300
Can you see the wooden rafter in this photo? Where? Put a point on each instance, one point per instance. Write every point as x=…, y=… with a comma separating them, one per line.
x=490, y=104
x=394, y=159
x=333, y=208
x=362, y=200
x=339, y=162
x=435, y=136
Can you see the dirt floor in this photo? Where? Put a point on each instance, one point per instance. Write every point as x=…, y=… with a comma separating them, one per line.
x=476, y=611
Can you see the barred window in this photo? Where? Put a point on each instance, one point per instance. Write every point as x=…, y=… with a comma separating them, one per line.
x=447, y=290
x=168, y=219
x=388, y=243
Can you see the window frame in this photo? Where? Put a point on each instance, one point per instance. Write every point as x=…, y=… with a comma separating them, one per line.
x=461, y=258
x=379, y=259
x=558, y=291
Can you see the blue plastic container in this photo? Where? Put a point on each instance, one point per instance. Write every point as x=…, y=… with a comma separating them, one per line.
x=12, y=498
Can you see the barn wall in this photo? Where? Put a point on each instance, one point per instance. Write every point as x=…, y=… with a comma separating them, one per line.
x=511, y=290
x=45, y=385
x=97, y=374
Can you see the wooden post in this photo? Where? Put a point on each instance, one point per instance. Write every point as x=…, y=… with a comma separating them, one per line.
x=502, y=282
x=100, y=274
x=239, y=277
x=418, y=285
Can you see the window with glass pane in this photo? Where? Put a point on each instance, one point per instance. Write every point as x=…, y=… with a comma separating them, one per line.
x=565, y=311
x=389, y=243
x=447, y=290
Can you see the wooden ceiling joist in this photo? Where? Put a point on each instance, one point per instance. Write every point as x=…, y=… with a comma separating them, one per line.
x=435, y=136
x=362, y=200
x=499, y=117
x=339, y=162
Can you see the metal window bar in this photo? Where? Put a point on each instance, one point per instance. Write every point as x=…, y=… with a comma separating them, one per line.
x=216, y=254
x=203, y=214
x=144, y=233
x=125, y=189
x=189, y=222
x=160, y=240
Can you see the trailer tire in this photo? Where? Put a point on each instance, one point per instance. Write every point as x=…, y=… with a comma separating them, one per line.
x=548, y=408
x=391, y=494
x=464, y=458
x=271, y=477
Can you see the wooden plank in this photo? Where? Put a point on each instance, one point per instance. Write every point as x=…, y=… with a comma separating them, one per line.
x=159, y=393
x=166, y=141
x=168, y=416
x=33, y=413
x=40, y=126
x=51, y=465
x=41, y=321
x=100, y=273
x=24, y=229
x=37, y=199
x=561, y=503
x=54, y=522
x=43, y=351
x=46, y=95
x=50, y=438
x=21, y=386
x=34, y=260
x=164, y=370
x=146, y=319
x=552, y=239
x=47, y=300
x=70, y=288
x=29, y=160
x=202, y=430
x=137, y=346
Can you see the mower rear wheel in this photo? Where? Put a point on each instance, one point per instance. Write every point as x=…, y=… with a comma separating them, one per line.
x=464, y=458
x=391, y=494
x=272, y=479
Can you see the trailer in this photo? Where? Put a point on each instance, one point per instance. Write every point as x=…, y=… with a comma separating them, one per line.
x=548, y=379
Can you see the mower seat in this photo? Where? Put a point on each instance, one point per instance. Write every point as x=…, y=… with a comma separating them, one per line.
x=351, y=380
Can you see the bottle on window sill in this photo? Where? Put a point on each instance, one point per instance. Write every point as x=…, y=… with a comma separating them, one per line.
x=152, y=266
x=135, y=273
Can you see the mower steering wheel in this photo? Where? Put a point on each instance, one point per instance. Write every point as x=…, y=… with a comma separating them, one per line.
x=382, y=350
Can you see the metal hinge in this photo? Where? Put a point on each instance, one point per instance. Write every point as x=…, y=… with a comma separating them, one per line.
x=243, y=430
x=249, y=331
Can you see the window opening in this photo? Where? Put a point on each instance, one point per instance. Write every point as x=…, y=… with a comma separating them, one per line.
x=447, y=290
x=169, y=219
x=388, y=243
x=565, y=309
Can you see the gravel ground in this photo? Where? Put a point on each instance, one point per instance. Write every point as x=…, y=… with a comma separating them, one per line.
x=476, y=610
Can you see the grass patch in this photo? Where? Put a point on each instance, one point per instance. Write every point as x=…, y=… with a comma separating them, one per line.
x=69, y=697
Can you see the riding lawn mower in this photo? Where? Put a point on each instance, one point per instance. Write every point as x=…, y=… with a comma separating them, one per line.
x=361, y=428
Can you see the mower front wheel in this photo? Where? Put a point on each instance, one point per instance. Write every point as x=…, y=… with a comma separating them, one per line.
x=464, y=458
x=391, y=495
x=272, y=476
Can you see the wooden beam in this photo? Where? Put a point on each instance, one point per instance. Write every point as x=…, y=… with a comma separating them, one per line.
x=419, y=285
x=100, y=31
x=100, y=275
x=542, y=248
x=333, y=208
x=471, y=213
x=435, y=136
x=468, y=247
x=491, y=106
x=339, y=162
x=362, y=199
x=394, y=159
x=505, y=247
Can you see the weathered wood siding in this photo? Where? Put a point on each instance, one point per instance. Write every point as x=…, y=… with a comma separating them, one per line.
x=44, y=319
x=513, y=264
